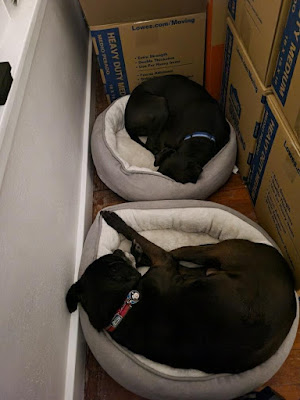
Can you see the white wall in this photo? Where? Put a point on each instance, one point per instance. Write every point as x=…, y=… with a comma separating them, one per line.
x=40, y=204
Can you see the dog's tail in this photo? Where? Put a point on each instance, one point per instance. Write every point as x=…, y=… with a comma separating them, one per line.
x=73, y=296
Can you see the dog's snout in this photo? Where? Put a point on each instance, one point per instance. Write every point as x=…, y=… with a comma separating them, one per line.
x=129, y=258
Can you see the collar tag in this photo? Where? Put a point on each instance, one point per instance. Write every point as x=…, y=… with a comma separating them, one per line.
x=133, y=297
x=116, y=320
x=201, y=134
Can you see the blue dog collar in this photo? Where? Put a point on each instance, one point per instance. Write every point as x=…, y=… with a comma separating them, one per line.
x=201, y=134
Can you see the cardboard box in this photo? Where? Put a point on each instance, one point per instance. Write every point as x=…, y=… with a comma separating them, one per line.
x=274, y=183
x=215, y=43
x=242, y=97
x=137, y=40
x=260, y=25
x=286, y=81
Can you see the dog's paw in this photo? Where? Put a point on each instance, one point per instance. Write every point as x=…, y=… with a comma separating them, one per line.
x=136, y=250
x=139, y=255
x=112, y=219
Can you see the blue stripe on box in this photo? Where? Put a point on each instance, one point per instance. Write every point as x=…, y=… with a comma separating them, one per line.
x=111, y=61
x=264, y=144
x=226, y=68
x=263, y=99
x=250, y=158
x=234, y=97
x=232, y=8
x=256, y=130
x=288, y=55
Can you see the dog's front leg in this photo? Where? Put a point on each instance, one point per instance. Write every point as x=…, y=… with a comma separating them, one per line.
x=157, y=255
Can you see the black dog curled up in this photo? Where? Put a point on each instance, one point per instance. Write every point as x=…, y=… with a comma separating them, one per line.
x=184, y=125
x=228, y=315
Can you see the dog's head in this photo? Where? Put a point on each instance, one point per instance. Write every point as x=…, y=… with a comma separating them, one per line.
x=145, y=114
x=102, y=288
x=179, y=167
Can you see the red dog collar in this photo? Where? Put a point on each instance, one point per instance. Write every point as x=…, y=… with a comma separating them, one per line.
x=131, y=299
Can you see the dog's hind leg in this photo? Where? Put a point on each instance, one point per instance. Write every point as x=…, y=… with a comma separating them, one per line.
x=205, y=256
x=156, y=254
x=194, y=254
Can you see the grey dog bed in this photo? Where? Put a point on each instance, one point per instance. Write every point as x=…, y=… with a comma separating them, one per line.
x=173, y=224
x=128, y=169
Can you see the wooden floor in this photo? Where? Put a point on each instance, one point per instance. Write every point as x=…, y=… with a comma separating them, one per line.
x=100, y=386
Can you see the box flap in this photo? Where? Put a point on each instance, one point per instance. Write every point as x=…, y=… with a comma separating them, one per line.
x=284, y=122
x=102, y=12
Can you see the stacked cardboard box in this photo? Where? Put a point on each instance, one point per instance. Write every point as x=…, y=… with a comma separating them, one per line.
x=286, y=81
x=260, y=25
x=256, y=29
x=263, y=39
x=243, y=95
x=137, y=40
x=274, y=183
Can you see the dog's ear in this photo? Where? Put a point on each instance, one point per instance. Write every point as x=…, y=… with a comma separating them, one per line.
x=73, y=296
x=194, y=171
x=159, y=101
x=162, y=155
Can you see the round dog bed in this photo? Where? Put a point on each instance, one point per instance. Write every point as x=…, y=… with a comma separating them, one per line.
x=172, y=224
x=128, y=169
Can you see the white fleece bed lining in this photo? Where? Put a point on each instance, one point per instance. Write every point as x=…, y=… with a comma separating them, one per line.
x=172, y=228
x=133, y=156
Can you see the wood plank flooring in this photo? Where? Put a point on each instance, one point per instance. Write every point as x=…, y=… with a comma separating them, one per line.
x=99, y=385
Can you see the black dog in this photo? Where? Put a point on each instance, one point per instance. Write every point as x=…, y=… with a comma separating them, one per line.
x=184, y=125
x=229, y=315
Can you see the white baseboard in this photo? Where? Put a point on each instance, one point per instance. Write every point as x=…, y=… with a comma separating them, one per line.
x=75, y=367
